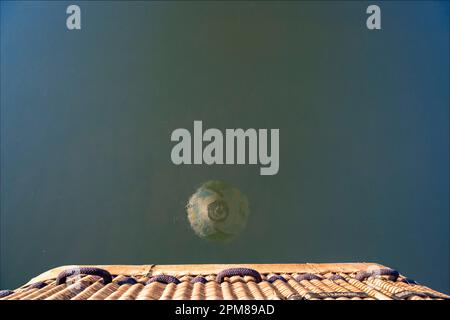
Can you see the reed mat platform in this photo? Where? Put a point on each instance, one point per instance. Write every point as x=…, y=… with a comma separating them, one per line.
x=328, y=281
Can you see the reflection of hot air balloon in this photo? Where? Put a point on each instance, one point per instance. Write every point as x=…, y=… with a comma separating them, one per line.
x=217, y=211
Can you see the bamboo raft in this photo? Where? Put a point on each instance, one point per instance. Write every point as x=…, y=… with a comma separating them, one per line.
x=339, y=281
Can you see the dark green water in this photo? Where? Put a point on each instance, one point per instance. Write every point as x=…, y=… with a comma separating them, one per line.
x=86, y=119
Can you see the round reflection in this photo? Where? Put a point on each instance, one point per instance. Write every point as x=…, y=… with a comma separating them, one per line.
x=217, y=211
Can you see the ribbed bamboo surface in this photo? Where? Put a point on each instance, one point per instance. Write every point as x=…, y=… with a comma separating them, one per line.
x=328, y=281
